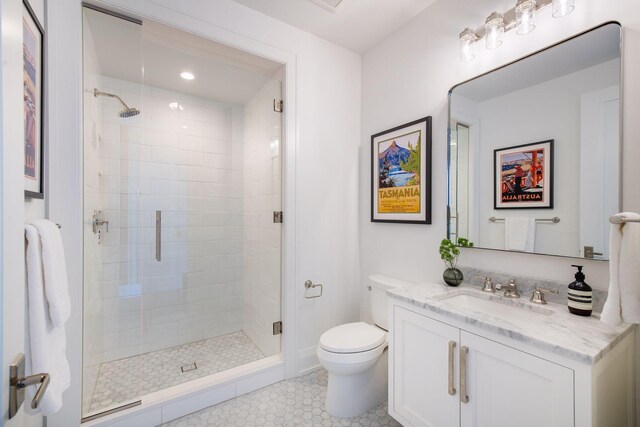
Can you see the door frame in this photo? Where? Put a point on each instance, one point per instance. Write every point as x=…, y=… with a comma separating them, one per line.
x=66, y=130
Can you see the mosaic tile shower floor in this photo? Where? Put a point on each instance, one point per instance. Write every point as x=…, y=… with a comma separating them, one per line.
x=295, y=402
x=161, y=369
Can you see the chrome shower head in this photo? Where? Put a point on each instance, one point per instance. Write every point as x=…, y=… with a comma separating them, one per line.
x=126, y=112
x=129, y=112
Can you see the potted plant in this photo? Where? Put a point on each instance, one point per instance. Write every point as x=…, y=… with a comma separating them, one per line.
x=449, y=253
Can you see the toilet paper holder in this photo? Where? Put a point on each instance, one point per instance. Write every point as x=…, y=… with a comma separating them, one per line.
x=310, y=285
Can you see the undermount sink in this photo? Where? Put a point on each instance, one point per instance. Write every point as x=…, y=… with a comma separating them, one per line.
x=510, y=310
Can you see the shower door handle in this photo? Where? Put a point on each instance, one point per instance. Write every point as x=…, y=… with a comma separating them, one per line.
x=158, y=236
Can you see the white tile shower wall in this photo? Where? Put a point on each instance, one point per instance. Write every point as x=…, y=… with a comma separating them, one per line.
x=185, y=162
x=92, y=313
x=261, y=237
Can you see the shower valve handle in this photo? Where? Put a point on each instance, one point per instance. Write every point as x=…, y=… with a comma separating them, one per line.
x=96, y=222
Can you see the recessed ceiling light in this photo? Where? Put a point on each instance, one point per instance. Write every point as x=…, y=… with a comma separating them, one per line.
x=187, y=75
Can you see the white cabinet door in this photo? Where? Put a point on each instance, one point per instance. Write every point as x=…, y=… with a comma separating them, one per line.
x=507, y=387
x=420, y=369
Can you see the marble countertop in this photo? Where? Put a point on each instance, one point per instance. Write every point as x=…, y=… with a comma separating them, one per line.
x=585, y=339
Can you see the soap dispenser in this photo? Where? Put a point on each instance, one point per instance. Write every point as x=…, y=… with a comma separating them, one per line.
x=580, y=295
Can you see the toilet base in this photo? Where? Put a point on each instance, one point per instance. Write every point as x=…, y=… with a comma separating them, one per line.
x=352, y=395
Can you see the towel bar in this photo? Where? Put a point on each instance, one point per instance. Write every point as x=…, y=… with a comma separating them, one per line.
x=621, y=220
x=554, y=220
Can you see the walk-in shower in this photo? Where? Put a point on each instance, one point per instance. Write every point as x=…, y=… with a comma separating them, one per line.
x=181, y=252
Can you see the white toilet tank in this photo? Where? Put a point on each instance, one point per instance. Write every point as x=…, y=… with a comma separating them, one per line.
x=378, y=297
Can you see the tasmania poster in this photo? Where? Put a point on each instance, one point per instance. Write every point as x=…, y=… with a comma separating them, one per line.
x=400, y=169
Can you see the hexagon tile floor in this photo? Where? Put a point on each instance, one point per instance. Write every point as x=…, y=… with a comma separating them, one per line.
x=296, y=402
x=161, y=369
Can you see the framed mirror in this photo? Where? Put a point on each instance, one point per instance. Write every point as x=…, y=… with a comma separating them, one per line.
x=534, y=150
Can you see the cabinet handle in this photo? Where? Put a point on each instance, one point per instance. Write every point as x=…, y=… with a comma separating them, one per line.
x=452, y=347
x=464, y=351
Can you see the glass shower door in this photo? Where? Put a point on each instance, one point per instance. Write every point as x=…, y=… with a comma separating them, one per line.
x=113, y=317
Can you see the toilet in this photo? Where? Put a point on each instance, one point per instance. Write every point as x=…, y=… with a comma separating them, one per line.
x=355, y=356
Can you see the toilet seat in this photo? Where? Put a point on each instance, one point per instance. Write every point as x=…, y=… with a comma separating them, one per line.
x=350, y=359
x=357, y=337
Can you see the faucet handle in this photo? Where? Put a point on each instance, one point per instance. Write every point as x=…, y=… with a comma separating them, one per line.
x=538, y=295
x=488, y=285
x=510, y=289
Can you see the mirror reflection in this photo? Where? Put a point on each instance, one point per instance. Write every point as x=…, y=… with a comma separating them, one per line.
x=534, y=150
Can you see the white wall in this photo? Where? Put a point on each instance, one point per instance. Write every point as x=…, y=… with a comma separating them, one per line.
x=261, y=238
x=324, y=132
x=425, y=65
x=550, y=110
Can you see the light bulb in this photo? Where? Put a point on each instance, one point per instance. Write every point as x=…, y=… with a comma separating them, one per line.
x=525, y=16
x=494, y=26
x=467, y=45
x=562, y=8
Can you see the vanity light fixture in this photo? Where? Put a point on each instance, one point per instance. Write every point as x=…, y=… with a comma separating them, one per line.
x=525, y=16
x=467, y=45
x=562, y=8
x=522, y=17
x=494, y=26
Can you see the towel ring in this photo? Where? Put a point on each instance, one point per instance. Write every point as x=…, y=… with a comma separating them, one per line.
x=310, y=285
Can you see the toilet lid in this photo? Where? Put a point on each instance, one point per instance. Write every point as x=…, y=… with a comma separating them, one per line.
x=352, y=338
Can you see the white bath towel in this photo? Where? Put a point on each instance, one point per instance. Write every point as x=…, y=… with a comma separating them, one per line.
x=623, y=301
x=45, y=350
x=520, y=234
x=56, y=287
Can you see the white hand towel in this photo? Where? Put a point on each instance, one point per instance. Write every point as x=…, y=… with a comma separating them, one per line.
x=55, y=271
x=45, y=350
x=520, y=234
x=623, y=300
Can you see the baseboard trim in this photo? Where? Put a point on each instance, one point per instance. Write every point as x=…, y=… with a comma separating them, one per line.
x=307, y=360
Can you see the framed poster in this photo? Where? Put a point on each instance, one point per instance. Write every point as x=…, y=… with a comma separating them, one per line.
x=33, y=66
x=523, y=176
x=401, y=174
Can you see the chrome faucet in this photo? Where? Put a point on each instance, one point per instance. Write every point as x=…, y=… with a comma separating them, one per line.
x=488, y=285
x=510, y=289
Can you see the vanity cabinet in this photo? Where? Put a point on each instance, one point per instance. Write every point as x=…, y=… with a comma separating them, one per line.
x=441, y=375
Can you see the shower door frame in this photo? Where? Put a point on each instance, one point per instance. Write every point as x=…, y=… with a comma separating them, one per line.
x=185, y=398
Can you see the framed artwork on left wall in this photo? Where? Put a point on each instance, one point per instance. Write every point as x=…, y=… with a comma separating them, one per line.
x=401, y=174
x=33, y=73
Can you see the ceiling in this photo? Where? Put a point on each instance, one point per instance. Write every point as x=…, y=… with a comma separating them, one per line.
x=593, y=48
x=356, y=24
x=223, y=73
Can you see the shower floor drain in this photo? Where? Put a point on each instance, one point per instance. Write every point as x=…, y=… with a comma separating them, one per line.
x=188, y=368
